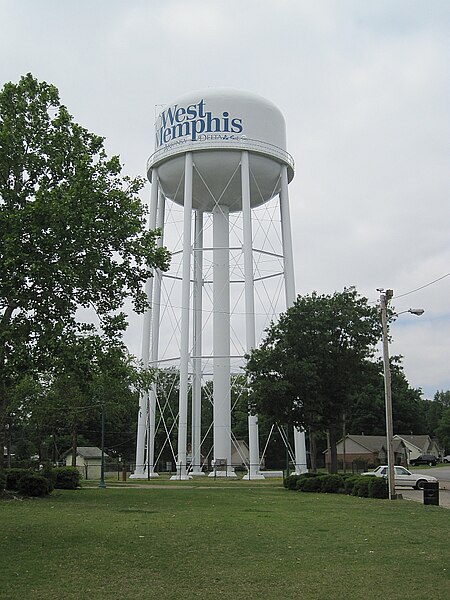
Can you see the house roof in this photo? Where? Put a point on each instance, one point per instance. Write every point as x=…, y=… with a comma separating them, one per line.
x=88, y=452
x=374, y=443
x=422, y=442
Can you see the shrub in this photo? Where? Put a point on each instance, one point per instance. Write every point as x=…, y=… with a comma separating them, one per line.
x=49, y=473
x=331, y=484
x=290, y=482
x=2, y=481
x=378, y=487
x=361, y=488
x=349, y=483
x=13, y=476
x=310, y=484
x=302, y=478
x=33, y=484
x=67, y=478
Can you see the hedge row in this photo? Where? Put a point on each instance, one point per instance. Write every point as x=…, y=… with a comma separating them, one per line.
x=40, y=483
x=363, y=486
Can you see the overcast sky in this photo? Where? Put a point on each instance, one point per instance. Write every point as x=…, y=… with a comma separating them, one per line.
x=365, y=91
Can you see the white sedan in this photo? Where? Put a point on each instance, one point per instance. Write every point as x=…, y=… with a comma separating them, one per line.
x=403, y=477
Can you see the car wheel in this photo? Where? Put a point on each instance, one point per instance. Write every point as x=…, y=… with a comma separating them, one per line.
x=420, y=484
x=431, y=464
x=446, y=461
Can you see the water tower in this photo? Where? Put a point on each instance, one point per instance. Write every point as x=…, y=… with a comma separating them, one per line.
x=219, y=155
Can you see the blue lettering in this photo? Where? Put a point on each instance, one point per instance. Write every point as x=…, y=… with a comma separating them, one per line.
x=180, y=114
x=194, y=121
x=170, y=113
x=192, y=111
x=210, y=122
x=181, y=129
x=236, y=125
x=201, y=109
x=198, y=126
x=225, y=121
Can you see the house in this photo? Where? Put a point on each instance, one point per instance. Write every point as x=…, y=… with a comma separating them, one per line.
x=420, y=444
x=89, y=461
x=367, y=449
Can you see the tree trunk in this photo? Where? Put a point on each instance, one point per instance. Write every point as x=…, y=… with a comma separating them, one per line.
x=3, y=414
x=4, y=323
x=2, y=445
x=333, y=451
x=312, y=451
x=74, y=446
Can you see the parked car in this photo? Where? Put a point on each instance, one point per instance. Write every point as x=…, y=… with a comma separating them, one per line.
x=424, y=459
x=403, y=477
x=446, y=459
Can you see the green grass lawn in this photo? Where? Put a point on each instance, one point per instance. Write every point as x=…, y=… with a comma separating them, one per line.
x=215, y=539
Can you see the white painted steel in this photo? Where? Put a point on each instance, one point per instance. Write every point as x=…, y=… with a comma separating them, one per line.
x=154, y=350
x=250, y=330
x=221, y=342
x=196, y=464
x=143, y=415
x=223, y=171
x=286, y=234
x=218, y=125
x=289, y=281
x=185, y=302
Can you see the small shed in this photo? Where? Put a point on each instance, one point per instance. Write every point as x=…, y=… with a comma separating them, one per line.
x=89, y=461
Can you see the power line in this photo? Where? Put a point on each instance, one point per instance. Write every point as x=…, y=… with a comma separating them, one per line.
x=423, y=286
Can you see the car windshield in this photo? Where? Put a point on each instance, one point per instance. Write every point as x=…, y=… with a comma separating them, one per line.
x=401, y=471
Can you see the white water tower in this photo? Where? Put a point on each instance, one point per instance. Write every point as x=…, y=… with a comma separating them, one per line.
x=218, y=153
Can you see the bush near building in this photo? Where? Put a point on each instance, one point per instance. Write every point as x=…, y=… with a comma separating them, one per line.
x=356, y=485
x=67, y=478
x=61, y=478
x=33, y=484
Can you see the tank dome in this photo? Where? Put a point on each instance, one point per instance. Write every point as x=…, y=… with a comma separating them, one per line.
x=217, y=125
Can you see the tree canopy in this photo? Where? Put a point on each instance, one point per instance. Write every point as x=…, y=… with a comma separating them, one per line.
x=72, y=230
x=312, y=362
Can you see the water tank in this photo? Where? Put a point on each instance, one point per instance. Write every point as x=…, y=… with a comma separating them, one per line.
x=217, y=125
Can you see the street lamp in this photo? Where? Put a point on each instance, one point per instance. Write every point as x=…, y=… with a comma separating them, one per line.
x=385, y=296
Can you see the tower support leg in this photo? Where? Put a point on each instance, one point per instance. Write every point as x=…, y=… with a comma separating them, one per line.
x=221, y=344
x=289, y=282
x=196, y=463
x=143, y=442
x=181, y=473
x=250, y=333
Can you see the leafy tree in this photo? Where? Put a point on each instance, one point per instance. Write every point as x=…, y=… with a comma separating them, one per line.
x=368, y=413
x=368, y=409
x=72, y=232
x=443, y=398
x=408, y=409
x=443, y=429
x=311, y=363
x=90, y=372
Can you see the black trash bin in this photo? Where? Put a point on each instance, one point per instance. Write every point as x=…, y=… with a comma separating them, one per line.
x=431, y=493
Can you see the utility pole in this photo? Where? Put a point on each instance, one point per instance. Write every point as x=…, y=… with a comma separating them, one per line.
x=384, y=300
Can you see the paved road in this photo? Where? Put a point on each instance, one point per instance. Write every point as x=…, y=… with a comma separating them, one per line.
x=443, y=475
x=417, y=496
